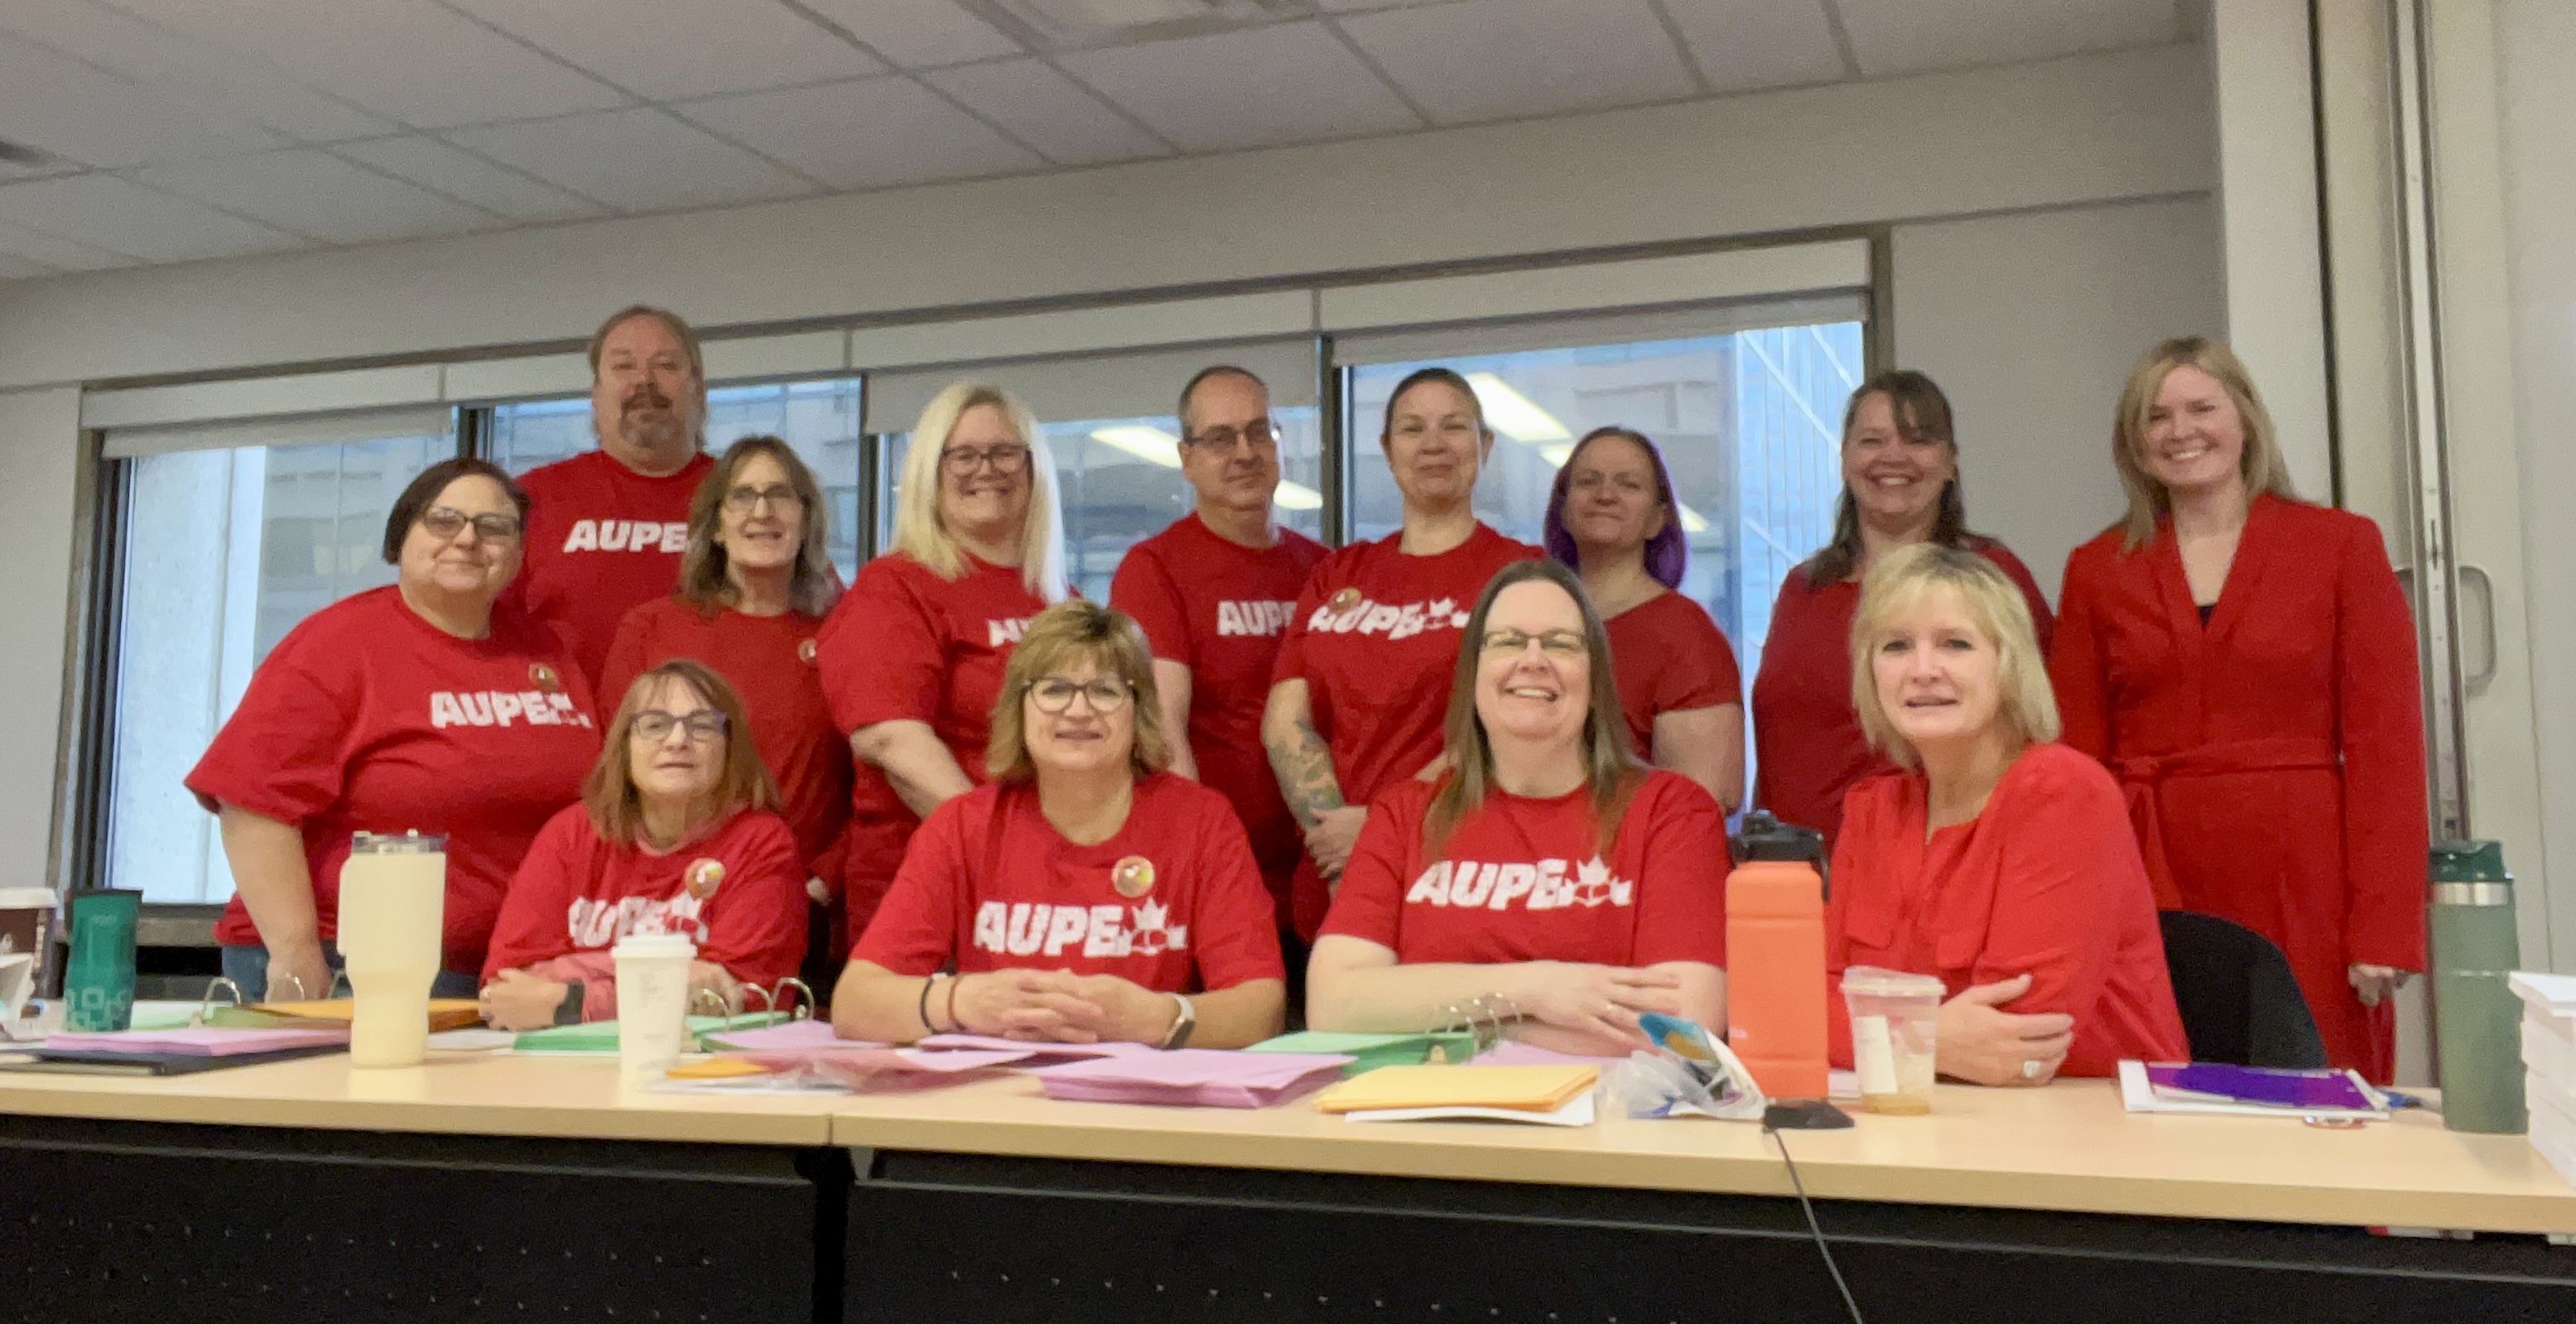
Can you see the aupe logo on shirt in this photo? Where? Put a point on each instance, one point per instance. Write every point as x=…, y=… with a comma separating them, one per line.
x=602, y=923
x=501, y=708
x=627, y=535
x=1253, y=618
x=1394, y=622
x=1024, y=928
x=1541, y=886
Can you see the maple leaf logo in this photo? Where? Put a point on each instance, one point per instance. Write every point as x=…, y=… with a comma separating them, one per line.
x=1592, y=885
x=1149, y=935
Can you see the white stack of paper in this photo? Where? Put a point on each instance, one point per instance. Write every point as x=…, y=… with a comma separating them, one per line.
x=2549, y=1065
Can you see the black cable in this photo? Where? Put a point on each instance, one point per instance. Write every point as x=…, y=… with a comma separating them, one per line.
x=1808, y=1207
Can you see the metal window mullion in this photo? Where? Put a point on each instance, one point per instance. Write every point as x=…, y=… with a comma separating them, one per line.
x=1334, y=460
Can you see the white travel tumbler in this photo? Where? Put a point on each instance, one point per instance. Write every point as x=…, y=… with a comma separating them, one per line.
x=652, y=1002
x=393, y=906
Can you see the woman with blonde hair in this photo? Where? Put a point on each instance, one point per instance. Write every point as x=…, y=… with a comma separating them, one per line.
x=913, y=656
x=2228, y=645
x=1547, y=876
x=1991, y=857
x=1084, y=894
x=676, y=832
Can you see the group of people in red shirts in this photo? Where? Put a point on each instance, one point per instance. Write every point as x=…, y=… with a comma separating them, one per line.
x=1437, y=774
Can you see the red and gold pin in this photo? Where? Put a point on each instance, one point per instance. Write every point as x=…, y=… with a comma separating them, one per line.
x=704, y=877
x=544, y=678
x=1133, y=877
x=805, y=651
x=1348, y=598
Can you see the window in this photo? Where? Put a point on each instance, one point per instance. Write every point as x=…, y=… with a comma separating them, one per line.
x=225, y=551
x=820, y=420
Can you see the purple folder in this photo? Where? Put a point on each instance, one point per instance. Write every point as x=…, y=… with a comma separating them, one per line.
x=2271, y=1087
x=1193, y=1077
x=195, y=1043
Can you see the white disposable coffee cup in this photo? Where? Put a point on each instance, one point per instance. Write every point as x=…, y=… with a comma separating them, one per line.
x=652, y=1002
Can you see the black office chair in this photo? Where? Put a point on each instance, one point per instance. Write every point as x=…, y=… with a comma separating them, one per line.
x=2240, y=1004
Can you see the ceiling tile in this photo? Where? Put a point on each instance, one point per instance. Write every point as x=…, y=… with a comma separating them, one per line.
x=462, y=175
x=667, y=51
x=1048, y=111
x=124, y=217
x=407, y=59
x=60, y=254
x=186, y=72
x=1491, y=59
x=1741, y=45
x=52, y=101
x=868, y=133
x=638, y=160
x=312, y=193
x=1913, y=36
x=918, y=33
x=1255, y=88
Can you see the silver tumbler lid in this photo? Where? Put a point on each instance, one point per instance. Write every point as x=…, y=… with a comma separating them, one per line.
x=387, y=843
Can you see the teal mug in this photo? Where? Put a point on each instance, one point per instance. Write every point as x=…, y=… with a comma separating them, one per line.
x=98, y=984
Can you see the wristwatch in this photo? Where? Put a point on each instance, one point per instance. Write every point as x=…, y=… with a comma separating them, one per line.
x=1182, y=1024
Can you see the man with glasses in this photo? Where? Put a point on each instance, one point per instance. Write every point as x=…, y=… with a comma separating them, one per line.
x=609, y=525
x=1214, y=593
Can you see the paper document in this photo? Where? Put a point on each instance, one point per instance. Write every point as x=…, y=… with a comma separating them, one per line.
x=1576, y=1111
x=1192, y=1077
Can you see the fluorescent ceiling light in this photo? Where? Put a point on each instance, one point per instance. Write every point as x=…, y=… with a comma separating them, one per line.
x=1693, y=521
x=1557, y=455
x=1298, y=496
x=1144, y=443
x=1514, y=414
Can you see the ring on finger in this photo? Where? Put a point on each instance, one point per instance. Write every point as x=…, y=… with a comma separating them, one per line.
x=2030, y=1068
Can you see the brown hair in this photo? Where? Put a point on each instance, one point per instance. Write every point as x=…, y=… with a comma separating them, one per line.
x=617, y=809
x=416, y=499
x=1992, y=600
x=678, y=327
x=1445, y=376
x=1610, y=766
x=703, y=568
x=1921, y=410
x=1077, y=630
x=2262, y=465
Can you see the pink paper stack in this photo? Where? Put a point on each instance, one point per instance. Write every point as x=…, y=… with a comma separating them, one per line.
x=1192, y=1077
x=195, y=1043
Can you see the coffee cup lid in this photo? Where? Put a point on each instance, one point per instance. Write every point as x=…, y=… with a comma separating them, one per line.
x=1870, y=981
x=654, y=944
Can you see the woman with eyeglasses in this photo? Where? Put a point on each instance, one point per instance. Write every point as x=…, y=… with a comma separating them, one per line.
x=676, y=832
x=1362, y=675
x=912, y=657
x=419, y=706
x=1084, y=895
x=1612, y=518
x=1547, y=877
x=755, y=584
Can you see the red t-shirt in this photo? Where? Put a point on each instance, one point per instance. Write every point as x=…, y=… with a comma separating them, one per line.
x=1375, y=638
x=770, y=661
x=367, y=718
x=989, y=884
x=2045, y=881
x=737, y=892
x=1525, y=880
x=1669, y=657
x=601, y=539
x=1807, y=745
x=905, y=644
x=1219, y=608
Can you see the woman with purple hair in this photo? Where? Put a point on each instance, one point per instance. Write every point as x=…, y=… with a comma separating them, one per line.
x=1612, y=518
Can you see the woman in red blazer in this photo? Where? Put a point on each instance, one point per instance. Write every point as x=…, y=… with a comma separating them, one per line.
x=2245, y=664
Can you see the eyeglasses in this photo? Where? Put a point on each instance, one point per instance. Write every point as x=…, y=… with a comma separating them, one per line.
x=447, y=522
x=1054, y=694
x=1261, y=435
x=1554, y=643
x=745, y=500
x=654, y=725
x=1005, y=459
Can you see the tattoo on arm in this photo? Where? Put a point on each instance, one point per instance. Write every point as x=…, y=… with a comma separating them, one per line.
x=1305, y=769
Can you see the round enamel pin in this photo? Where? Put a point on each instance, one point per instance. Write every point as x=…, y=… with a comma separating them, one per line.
x=704, y=877
x=805, y=651
x=544, y=678
x=1348, y=598
x=1133, y=877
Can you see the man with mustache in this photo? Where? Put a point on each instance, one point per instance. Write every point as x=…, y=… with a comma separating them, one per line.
x=607, y=526
x=1214, y=593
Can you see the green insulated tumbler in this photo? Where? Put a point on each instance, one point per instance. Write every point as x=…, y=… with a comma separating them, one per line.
x=98, y=985
x=2477, y=1021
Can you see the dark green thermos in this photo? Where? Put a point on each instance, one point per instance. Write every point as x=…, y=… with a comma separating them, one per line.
x=2477, y=1020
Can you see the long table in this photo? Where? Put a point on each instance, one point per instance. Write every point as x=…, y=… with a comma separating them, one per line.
x=526, y=1188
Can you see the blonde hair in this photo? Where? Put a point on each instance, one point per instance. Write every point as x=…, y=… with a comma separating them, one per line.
x=1077, y=630
x=617, y=810
x=921, y=533
x=704, y=581
x=2262, y=465
x=1905, y=577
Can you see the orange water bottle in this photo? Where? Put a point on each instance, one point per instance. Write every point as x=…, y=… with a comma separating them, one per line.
x=1775, y=957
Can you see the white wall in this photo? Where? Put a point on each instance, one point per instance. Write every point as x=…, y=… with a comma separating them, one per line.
x=2031, y=324
x=39, y=456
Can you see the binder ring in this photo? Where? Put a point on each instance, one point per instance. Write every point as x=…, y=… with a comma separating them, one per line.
x=206, y=1005
x=804, y=1008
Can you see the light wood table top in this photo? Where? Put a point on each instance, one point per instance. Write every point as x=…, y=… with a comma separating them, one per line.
x=454, y=1093
x=2069, y=1147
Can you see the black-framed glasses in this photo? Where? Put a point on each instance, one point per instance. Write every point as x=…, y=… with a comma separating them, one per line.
x=447, y=522
x=1260, y=434
x=655, y=725
x=1007, y=458
x=1554, y=643
x=780, y=496
x=1054, y=694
